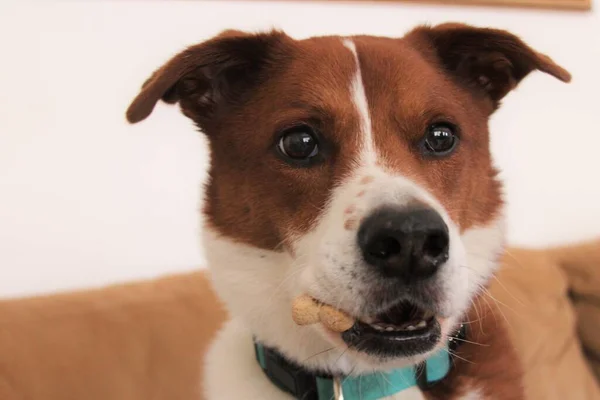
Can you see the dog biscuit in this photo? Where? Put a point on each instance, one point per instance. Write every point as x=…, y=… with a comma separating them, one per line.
x=336, y=320
x=307, y=311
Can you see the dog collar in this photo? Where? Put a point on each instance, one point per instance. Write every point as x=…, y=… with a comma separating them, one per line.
x=308, y=385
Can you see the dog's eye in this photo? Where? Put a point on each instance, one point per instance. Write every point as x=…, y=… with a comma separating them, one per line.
x=299, y=143
x=440, y=139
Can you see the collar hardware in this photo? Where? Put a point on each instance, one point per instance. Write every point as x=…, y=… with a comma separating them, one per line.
x=338, y=393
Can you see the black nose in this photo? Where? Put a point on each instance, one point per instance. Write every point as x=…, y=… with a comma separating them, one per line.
x=409, y=244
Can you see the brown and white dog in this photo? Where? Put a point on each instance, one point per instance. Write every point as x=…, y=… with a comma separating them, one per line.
x=357, y=170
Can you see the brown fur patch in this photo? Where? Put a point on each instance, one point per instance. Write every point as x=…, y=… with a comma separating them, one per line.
x=283, y=199
x=487, y=362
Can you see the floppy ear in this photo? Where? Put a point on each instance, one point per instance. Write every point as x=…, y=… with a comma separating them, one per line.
x=211, y=76
x=490, y=61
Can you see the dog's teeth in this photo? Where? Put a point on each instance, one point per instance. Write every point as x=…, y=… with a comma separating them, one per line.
x=395, y=328
x=377, y=327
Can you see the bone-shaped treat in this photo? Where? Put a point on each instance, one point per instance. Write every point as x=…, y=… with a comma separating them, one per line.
x=308, y=311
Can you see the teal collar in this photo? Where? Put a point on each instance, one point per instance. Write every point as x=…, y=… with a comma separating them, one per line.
x=307, y=385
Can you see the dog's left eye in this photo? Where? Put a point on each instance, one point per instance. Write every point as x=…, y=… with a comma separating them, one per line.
x=299, y=143
x=440, y=139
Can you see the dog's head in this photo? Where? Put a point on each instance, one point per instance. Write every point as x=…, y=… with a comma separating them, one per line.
x=356, y=170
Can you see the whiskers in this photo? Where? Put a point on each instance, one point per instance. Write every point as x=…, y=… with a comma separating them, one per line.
x=335, y=364
x=292, y=274
x=454, y=338
x=320, y=353
x=498, y=303
x=454, y=355
x=486, y=296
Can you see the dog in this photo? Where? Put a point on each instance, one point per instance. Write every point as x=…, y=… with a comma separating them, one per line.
x=357, y=171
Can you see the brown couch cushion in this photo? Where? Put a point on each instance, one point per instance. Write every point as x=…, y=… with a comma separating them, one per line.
x=531, y=290
x=141, y=341
x=582, y=265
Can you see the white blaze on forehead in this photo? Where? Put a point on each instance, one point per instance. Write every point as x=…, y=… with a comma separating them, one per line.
x=359, y=97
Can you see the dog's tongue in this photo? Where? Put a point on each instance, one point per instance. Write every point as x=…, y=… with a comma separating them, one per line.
x=403, y=313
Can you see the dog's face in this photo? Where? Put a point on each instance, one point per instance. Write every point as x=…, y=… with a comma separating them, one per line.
x=356, y=170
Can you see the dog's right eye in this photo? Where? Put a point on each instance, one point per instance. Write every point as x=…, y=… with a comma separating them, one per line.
x=298, y=143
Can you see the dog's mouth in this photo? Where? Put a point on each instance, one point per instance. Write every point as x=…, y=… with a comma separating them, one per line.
x=404, y=330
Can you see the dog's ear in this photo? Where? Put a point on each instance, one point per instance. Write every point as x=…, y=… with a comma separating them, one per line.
x=209, y=77
x=490, y=61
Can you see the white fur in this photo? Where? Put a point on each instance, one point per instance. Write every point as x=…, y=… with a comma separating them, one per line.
x=258, y=285
x=232, y=372
x=474, y=394
x=359, y=97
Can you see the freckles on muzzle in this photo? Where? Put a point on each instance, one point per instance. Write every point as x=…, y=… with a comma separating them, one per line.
x=352, y=219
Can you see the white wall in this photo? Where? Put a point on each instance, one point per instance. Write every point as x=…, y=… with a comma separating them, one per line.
x=86, y=199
